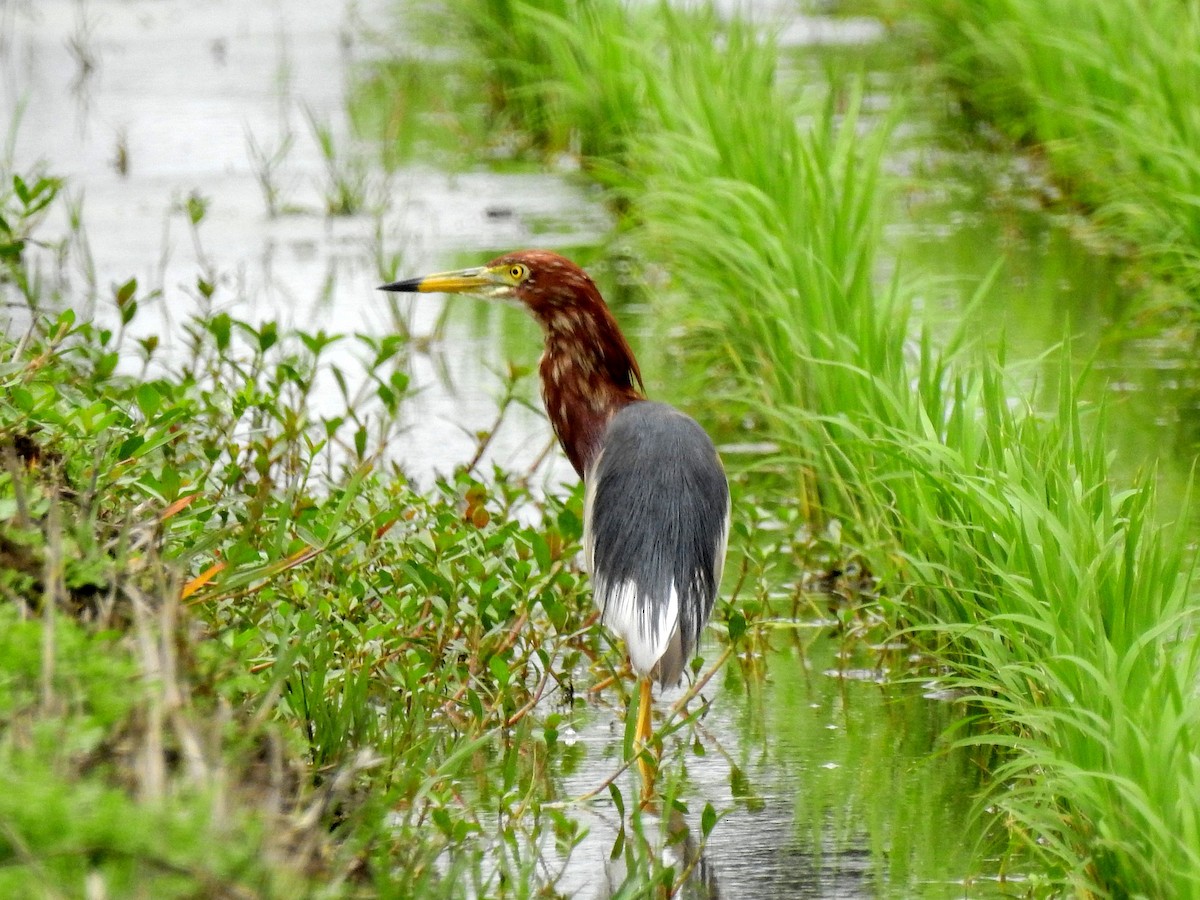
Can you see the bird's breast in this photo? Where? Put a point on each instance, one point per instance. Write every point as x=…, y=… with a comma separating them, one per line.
x=580, y=403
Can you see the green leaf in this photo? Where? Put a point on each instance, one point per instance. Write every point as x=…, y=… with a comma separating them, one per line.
x=541, y=549
x=124, y=293
x=196, y=207
x=617, y=799
x=737, y=626
x=500, y=670
x=130, y=446
x=618, y=847
x=220, y=327
x=22, y=399
x=148, y=400
x=708, y=820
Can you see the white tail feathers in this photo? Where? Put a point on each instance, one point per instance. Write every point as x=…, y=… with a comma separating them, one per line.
x=646, y=624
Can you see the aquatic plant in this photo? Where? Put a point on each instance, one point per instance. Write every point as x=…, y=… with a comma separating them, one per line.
x=345, y=184
x=266, y=163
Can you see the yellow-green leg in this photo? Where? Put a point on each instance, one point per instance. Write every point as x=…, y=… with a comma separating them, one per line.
x=641, y=740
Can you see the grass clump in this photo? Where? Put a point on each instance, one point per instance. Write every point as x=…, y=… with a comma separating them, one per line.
x=1106, y=91
x=999, y=536
x=119, y=774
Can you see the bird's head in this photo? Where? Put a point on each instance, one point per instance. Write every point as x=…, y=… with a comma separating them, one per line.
x=551, y=286
x=588, y=370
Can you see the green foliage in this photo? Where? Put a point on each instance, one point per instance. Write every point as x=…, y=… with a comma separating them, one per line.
x=345, y=170
x=1107, y=90
x=366, y=625
x=242, y=654
x=23, y=205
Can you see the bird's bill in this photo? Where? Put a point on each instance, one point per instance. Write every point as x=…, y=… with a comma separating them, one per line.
x=479, y=280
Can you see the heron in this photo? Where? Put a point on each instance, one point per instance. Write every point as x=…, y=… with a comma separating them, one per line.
x=656, y=499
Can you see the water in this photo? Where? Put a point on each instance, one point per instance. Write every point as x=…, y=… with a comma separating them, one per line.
x=820, y=767
x=141, y=105
x=832, y=781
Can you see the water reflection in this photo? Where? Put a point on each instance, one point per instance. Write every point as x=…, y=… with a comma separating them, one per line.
x=824, y=784
x=670, y=839
x=962, y=206
x=968, y=209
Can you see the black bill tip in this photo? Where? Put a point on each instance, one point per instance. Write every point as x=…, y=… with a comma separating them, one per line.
x=409, y=285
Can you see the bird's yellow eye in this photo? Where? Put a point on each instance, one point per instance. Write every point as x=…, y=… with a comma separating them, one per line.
x=517, y=272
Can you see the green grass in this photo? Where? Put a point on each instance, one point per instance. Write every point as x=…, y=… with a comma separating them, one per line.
x=999, y=536
x=1105, y=91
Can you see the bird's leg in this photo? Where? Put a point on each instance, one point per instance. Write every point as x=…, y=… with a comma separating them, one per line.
x=641, y=740
x=603, y=685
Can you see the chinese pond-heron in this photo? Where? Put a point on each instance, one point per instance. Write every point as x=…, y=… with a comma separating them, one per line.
x=656, y=501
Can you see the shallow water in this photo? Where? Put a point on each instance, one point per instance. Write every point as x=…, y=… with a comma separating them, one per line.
x=966, y=204
x=820, y=767
x=833, y=781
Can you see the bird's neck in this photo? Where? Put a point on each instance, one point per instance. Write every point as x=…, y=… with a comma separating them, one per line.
x=588, y=375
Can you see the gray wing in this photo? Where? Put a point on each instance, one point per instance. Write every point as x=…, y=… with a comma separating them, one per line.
x=656, y=522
